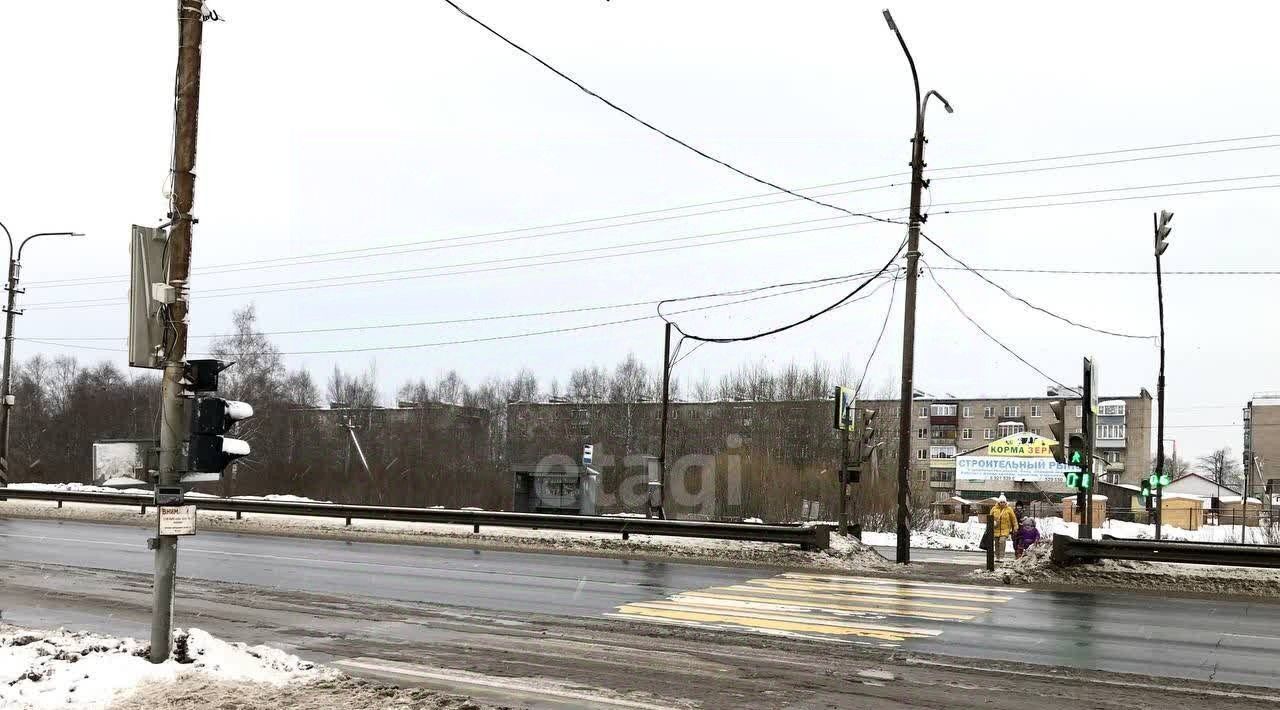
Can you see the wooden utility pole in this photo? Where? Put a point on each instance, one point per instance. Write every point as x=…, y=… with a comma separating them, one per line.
x=174, y=424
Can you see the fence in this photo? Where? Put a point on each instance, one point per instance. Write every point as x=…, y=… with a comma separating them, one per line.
x=808, y=537
x=1068, y=550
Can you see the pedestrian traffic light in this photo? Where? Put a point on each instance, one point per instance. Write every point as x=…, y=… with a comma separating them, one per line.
x=208, y=449
x=1058, y=430
x=1162, y=231
x=1083, y=478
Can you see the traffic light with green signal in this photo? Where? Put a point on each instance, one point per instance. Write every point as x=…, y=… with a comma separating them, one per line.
x=1076, y=456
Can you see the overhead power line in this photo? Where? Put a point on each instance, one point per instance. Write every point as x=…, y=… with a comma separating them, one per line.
x=884, y=325
x=991, y=337
x=789, y=326
x=1119, y=161
x=655, y=129
x=309, y=284
x=1106, y=272
x=1110, y=199
x=1029, y=304
x=343, y=281
x=462, y=241
x=814, y=283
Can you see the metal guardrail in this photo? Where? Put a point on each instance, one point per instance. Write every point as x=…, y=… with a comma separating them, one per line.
x=816, y=537
x=1068, y=550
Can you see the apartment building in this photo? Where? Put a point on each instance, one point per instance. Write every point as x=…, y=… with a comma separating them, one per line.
x=948, y=427
x=1261, y=418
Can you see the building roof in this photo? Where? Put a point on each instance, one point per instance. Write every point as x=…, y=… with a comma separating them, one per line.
x=1236, y=499
x=1223, y=486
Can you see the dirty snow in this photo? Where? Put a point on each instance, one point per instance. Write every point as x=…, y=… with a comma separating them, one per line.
x=1036, y=567
x=82, y=671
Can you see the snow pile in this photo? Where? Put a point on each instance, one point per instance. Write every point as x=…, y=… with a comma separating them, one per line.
x=62, y=669
x=75, y=488
x=941, y=535
x=281, y=498
x=1036, y=566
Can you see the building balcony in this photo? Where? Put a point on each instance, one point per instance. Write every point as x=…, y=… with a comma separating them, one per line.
x=950, y=420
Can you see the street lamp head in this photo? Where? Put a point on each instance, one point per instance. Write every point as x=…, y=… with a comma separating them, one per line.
x=945, y=104
x=889, y=18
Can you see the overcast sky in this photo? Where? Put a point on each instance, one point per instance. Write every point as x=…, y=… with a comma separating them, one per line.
x=330, y=126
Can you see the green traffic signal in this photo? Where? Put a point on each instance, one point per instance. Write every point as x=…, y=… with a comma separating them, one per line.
x=1073, y=480
x=1164, y=480
x=1076, y=458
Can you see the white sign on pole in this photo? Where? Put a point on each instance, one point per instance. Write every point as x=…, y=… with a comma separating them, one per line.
x=1006, y=468
x=588, y=452
x=177, y=520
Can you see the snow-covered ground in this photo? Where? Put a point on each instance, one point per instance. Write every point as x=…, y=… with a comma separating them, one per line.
x=950, y=535
x=86, y=488
x=62, y=669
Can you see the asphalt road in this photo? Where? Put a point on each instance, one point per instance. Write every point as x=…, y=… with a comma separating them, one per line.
x=1201, y=639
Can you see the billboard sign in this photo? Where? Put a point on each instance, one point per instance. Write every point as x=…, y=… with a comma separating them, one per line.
x=1009, y=468
x=1023, y=444
x=124, y=462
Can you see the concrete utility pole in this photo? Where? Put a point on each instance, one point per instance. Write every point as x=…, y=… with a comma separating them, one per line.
x=666, y=404
x=909, y=315
x=11, y=311
x=174, y=423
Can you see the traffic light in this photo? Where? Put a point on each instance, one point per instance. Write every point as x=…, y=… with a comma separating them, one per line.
x=1058, y=430
x=1162, y=231
x=1148, y=495
x=208, y=449
x=1076, y=456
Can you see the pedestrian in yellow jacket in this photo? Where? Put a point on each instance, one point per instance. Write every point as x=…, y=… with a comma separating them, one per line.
x=1003, y=523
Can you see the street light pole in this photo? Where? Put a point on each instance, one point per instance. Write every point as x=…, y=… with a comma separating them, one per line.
x=11, y=311
x=909, y=316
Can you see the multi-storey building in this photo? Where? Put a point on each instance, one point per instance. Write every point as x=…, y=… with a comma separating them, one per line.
x=948, y=427
x=1262, y=444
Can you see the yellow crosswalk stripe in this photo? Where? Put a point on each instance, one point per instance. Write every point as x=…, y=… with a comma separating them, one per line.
x=872, y=589
x=823, y=606
x=880, y=601
x=822, y=602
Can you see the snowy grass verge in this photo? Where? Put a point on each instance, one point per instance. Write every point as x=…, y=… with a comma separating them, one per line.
x=844, y=555
x=63, y=669
x=1036, y=568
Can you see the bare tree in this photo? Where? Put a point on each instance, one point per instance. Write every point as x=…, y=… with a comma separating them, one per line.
x=1221, y=467
x=356, y=391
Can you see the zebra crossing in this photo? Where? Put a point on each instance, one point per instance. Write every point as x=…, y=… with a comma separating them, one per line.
x=857, y=610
